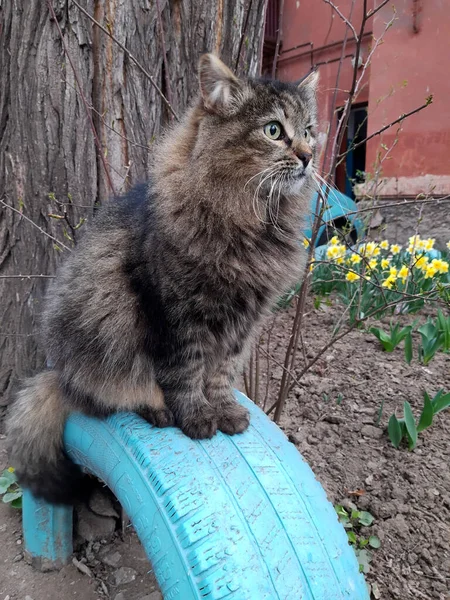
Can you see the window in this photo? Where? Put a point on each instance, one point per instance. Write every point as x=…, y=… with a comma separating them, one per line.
x=352, y=169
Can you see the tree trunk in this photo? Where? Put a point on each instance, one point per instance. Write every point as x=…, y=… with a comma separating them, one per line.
x=52, y=173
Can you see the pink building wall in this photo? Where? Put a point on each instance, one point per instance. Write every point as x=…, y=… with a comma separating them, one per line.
x=412, y=63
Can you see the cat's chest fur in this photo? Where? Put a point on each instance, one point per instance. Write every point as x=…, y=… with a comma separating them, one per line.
x=208, y=280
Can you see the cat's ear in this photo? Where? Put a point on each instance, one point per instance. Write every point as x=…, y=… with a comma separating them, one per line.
x=309, y=83
x=221, y=91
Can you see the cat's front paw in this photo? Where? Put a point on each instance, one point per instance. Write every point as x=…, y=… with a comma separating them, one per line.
x=199, y=425
x=159, y=417
x=233, y=418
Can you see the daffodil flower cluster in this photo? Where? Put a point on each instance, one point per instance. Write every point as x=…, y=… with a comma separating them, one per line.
x=380, y=267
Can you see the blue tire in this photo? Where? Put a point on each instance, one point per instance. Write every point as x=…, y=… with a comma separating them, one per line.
x=241, y=517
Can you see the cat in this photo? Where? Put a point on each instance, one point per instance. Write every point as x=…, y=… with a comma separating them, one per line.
x=155, y=308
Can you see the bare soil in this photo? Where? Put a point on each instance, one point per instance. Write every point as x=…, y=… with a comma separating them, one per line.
x=333, y=417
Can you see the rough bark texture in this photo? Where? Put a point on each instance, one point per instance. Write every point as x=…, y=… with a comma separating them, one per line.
x=49, y=162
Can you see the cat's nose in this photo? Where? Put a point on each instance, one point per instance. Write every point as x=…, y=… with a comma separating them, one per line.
x=305, y=157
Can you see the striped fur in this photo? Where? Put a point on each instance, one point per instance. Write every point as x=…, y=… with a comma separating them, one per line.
x=155, y=309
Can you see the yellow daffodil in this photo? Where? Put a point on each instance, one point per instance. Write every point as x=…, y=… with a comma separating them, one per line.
x=334, y=240
x=385, y=263
x=373, y=263
x=440, y=265
x=430, y=271
x=384, y=245
x=11, y=469
x=429, y=244
x=306, y=242
x=393, y=272
x=355, y=259
x=352, y=276
x=332, y=252
x=388, y=283
x=340, y=260
x=403, y=273
x=371, y=248
x=395, y=248
x=421, y=262
x=311, y=266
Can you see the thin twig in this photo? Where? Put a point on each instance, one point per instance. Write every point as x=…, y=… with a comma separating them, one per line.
x=163, y=44
x=379, y=131
x=27, y=276
x=34, y=225
x=346, y=21
x=131, y=57
x=278, y=42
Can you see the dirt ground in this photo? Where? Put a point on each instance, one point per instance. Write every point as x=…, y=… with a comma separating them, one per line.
x=333, y=418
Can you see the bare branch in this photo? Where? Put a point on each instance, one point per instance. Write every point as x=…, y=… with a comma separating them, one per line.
x=346, y=21
x=34, y=225
x=401, y=118
x=375, y=10
x=27, y=276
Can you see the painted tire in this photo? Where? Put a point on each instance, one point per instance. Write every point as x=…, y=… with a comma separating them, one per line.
x=240, y=517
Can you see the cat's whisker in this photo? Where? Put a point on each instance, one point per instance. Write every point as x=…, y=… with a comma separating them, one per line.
x=257, y=175
x=256, y=194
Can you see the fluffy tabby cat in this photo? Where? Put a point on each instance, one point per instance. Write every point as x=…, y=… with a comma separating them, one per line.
x=154, y=308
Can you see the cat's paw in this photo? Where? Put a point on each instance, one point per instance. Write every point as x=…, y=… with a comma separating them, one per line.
x=200, y=425
x=159, y=417
x=233, y=418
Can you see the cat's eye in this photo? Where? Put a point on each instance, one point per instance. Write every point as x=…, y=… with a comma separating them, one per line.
x=307, y=134
x=274, y=130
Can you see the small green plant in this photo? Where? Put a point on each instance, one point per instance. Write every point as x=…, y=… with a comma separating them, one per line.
x=353, y=519
x=10, y=489
x=406, y=427
x=435, y=336
x=391, y=340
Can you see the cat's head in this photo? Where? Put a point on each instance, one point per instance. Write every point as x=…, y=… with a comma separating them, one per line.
x=260, y=132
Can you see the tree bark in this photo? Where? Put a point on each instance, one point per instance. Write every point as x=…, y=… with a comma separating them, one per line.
x=49, y=161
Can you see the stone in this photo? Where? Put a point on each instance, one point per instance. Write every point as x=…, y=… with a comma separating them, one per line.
x=101, y=504
x=112, y=559
x=119, y=596
x=82, y=567
x=92, y=527
x=124, y=575
x=18, y=558
x=371, y=431
x=153, y=596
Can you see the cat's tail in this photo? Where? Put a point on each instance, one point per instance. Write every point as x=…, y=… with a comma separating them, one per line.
x=35, y=433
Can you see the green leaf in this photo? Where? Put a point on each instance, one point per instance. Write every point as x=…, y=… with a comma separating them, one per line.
x=9, y=476
x=351, y=537
x=410, y=426
x=395, y=431
x=440, y=402
x=363, y=542
x=374, y=541
x=10, y=496
x=426, y=418
x=365, y=518
x=408, y=348
x=17, y=503
x=444, y=327
x=384, y=338
x=364, y=559
x=4, y=485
